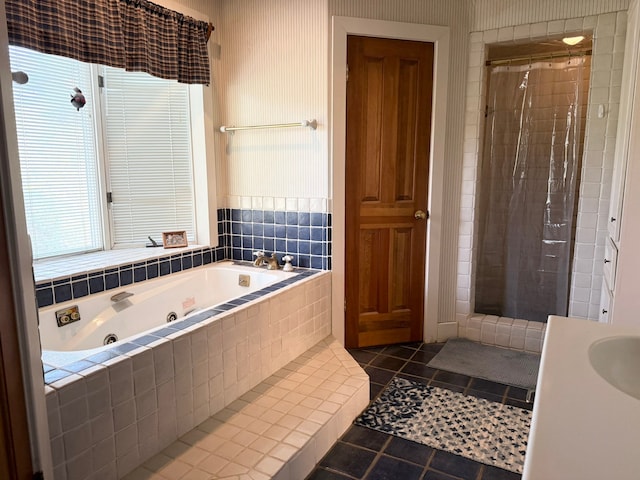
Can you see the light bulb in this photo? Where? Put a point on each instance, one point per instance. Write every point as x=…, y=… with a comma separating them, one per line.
x=573, y=40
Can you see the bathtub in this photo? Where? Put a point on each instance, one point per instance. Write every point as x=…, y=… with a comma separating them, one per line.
x=144, y=308
x=144, y=392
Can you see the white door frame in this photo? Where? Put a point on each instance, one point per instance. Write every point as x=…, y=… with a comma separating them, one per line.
x=21, y=267
x=341, y=27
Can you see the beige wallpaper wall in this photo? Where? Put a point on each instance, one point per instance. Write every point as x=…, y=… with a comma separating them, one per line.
x=273, y=69
x=272, y=65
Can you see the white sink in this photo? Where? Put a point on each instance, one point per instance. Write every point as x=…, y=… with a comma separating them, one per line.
x=617, y=360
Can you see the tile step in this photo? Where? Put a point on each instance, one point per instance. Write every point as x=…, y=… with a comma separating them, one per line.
x=280, y=429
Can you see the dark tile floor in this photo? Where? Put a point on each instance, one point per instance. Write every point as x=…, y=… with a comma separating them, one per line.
x=366, y=454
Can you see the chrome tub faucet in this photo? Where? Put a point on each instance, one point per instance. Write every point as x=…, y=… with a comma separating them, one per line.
x=271, y=262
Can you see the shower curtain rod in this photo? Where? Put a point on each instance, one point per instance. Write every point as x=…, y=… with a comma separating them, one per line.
x=538, y=57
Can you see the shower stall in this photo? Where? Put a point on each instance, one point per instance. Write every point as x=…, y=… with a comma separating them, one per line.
x=529, y=181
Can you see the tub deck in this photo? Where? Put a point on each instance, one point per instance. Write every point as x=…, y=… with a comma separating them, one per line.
x=279, y=429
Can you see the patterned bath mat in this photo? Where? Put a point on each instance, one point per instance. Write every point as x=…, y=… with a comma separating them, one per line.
x=475, y=428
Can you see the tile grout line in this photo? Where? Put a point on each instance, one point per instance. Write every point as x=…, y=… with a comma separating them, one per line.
x=480, y=472
x=505, y=395
x=376, y=458
x=426, y=466
x=337, y=472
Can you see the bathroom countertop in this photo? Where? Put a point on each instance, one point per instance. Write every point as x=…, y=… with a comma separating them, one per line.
x=582, y=427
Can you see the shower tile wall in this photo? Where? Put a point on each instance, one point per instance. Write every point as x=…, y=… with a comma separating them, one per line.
x=606, y=74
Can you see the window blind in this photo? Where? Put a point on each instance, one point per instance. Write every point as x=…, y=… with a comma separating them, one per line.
x=57, y=146
x=147, y=138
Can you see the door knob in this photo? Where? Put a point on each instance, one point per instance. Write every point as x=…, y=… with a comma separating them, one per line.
x=420, y=215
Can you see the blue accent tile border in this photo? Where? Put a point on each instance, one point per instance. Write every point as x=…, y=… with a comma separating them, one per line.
x=306, y=236
x=77, y=286
x=53, y=374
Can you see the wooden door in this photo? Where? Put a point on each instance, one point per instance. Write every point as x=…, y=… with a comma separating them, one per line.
x=389, y=97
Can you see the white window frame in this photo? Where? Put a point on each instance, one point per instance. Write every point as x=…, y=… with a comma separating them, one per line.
x=102, y=161
x=203, y=178
x=196, y=123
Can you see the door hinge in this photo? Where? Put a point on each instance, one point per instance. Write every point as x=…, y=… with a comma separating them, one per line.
x=347, y=71
x=100, y=81
x=345, y=304
x=109, y=197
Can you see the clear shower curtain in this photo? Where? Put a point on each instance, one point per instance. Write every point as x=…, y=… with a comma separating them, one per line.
x=529, y=176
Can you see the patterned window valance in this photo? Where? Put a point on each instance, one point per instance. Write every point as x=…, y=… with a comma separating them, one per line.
x=136, y=35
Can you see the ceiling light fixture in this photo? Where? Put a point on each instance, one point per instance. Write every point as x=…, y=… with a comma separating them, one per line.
x=573, y=40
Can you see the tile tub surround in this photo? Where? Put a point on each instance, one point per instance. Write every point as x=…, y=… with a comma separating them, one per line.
x=305, y=235
x=60, y=364
x=280, y=429
x=109, y=418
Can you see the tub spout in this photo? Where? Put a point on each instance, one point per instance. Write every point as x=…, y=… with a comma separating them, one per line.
x=272, y=262
x=118, y=297
x=260, y=258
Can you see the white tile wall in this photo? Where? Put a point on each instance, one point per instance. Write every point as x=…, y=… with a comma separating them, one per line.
x=447, y=330
x=608, y=30
x=497, y=13
x=108, y=421
x=505, y=332
x=313, y=205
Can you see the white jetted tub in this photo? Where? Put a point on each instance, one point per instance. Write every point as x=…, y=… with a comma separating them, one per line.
x=119, y=315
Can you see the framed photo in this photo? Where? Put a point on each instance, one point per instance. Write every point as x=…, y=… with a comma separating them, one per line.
x=174, y=239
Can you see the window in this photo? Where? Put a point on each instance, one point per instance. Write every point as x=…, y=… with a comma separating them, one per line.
x=131, y=140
